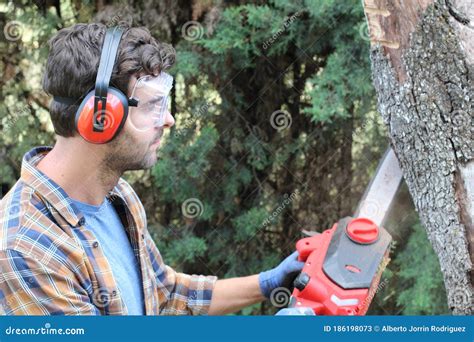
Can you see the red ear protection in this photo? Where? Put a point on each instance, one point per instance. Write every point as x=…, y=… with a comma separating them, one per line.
x=107, y=123
x=103, y=111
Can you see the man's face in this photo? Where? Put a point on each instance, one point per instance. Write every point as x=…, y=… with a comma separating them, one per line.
x=135, y=148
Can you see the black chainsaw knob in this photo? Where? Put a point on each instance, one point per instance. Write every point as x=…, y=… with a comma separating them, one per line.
x=301, y=281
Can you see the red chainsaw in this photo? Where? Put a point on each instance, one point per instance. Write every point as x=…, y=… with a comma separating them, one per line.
x=343, y=264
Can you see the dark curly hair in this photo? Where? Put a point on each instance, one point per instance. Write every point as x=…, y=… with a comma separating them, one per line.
x=73, y=60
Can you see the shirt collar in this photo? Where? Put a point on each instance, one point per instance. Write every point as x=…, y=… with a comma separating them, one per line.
x=49, y=190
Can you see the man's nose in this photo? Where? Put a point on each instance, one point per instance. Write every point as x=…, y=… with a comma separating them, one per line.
x=169, y=120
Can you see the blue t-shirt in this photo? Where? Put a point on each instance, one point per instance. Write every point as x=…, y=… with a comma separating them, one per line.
x=104, y=222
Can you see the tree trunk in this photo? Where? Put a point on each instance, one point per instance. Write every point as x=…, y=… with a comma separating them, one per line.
x=422, y=54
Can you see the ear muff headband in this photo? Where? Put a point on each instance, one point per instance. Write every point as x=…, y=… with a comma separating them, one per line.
x=106, y=65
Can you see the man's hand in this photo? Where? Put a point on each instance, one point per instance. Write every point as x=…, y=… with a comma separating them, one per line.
x=280, y=276
x=231, y=295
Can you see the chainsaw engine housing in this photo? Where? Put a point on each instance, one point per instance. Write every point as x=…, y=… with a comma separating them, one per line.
x=342, y=268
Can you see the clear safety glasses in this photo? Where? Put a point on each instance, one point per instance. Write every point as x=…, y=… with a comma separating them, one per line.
x=152, y=94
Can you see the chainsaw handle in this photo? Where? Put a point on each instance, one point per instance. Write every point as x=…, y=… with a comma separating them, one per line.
x=304, y=247
x=307, y=245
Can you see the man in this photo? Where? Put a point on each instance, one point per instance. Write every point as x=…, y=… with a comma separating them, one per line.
x=74, y=238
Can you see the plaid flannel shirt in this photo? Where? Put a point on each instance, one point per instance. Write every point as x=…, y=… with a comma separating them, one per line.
x=50, y=263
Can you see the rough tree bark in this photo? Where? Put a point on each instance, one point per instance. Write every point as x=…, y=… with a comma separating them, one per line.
x=422, y=54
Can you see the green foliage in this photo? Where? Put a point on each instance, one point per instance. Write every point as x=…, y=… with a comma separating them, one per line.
x=248, y=223
x=423, y=290
x=306, y=58
x=186, y=249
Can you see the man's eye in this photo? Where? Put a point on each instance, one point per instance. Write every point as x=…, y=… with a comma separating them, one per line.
x=149, y=106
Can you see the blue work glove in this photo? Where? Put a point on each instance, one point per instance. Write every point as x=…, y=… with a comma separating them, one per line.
x=281, y=276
